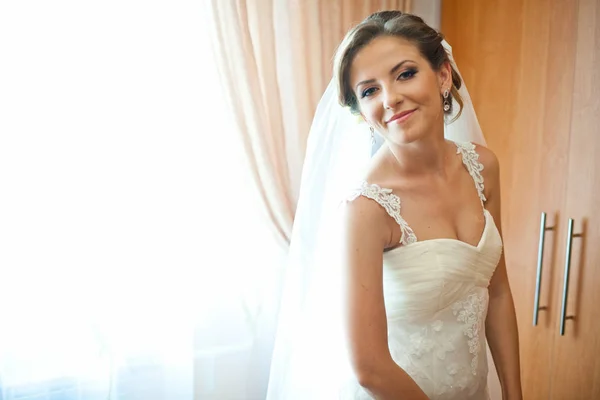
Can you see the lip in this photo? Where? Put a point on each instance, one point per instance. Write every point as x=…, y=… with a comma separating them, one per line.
x=401, y=116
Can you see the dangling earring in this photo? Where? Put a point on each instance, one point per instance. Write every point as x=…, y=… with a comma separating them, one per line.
x=446, y=102
x=372, y=135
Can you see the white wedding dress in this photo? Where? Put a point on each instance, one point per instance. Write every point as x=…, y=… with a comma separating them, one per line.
x=436, y=298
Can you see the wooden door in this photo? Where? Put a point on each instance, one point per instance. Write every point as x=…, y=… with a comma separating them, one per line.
x=517, y=59
x=576, y=372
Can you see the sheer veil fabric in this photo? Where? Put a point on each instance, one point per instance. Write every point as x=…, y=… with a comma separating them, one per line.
x=309, y=358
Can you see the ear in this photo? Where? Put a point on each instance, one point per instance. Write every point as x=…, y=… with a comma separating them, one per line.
x=445, y=75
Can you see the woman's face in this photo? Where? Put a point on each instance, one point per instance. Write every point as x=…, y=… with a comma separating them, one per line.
x=398, y=92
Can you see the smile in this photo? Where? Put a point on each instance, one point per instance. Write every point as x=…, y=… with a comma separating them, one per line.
x=401, y=117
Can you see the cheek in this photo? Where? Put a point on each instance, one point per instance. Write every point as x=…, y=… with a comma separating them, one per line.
x=424, y=91
x=371, y=112
x=425, y=95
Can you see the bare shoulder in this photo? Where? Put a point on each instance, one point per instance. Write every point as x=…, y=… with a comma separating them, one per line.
x=487, y=157
x=491, y=169
x=364, y=217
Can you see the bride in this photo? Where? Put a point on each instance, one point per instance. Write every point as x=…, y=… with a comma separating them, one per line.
x=396, y=275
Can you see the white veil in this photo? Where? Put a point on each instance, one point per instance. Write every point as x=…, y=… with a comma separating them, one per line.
x=307, y=354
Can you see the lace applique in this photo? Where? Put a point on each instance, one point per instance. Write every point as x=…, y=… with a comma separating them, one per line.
x=420, y=344
x=470, y=312
x=455, y=382
x=437, y=325
x=470, y=159
x=390, y=202
x=430, y=340
x=444, y=347
x=443, y=342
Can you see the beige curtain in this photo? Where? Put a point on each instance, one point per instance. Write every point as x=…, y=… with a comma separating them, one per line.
x=275, y=58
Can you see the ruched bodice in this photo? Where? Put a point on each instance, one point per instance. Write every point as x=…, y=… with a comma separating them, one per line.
x=423, y=278
x=436, y=299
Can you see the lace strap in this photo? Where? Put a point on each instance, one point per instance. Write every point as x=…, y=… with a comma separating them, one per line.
x=390, y=202
x=470, y=159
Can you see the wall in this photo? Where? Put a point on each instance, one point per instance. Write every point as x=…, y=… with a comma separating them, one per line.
x=429, y=10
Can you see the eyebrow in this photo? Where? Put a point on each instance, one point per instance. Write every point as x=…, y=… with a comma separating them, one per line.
x=392, y=71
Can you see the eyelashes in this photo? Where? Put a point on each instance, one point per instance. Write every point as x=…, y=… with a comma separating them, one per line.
x=404, y=76
x=367, y=92
x=409, y=73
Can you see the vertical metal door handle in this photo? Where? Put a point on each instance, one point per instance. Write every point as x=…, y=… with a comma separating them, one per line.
x=565, y=295
x=540, y=263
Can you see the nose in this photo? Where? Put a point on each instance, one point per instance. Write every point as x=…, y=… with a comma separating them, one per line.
x=391, y=98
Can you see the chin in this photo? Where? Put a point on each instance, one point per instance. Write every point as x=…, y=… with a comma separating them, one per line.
x=406, y=136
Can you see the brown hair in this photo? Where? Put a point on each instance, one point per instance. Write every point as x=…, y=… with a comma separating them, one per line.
x=391, y=23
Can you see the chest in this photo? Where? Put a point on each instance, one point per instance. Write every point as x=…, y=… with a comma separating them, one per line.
x=448, y=208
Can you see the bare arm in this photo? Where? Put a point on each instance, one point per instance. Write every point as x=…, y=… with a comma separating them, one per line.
x=501, y=322
x=364, y=239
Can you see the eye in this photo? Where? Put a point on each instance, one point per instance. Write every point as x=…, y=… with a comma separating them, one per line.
x=409, y=73
x=367, y=92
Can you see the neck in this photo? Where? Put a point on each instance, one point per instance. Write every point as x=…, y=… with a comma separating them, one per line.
x=425, y=156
